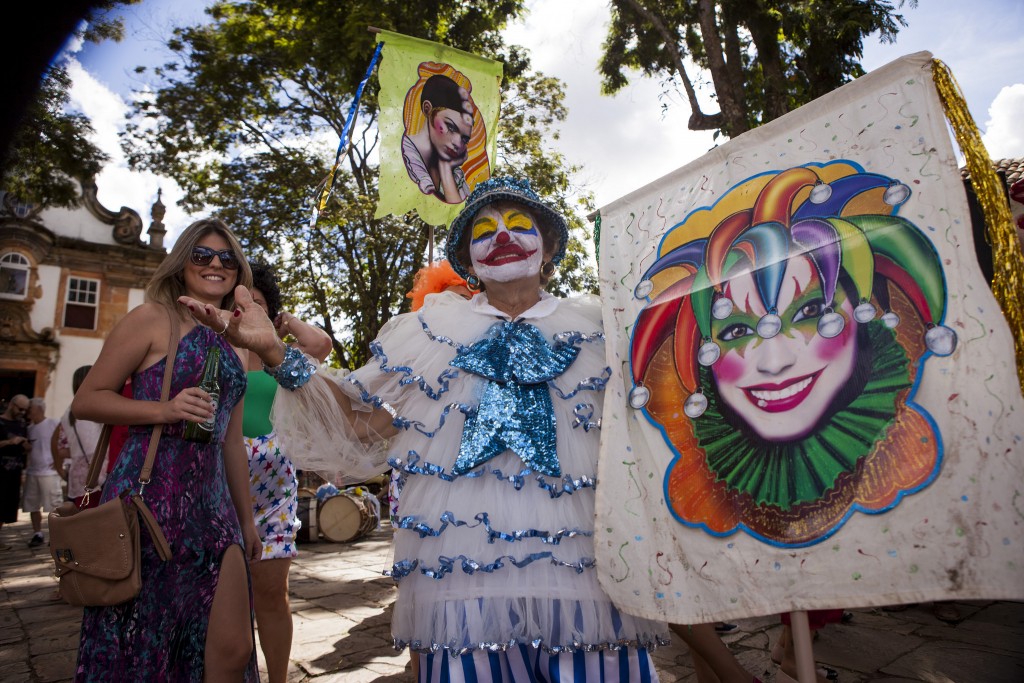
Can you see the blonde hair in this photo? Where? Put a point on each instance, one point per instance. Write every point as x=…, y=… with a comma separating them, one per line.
x=168, y=282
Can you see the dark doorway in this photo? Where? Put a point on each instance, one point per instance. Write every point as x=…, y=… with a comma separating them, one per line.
x=13, y=382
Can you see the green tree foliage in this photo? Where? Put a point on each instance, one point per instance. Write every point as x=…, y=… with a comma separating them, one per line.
x=247, y=117
x=50, y=152
x=765, y=57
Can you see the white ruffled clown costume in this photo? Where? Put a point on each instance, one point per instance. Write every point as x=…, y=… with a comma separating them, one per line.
x=498, y=433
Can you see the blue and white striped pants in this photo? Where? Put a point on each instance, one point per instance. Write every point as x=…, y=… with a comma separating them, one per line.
x=525, y=664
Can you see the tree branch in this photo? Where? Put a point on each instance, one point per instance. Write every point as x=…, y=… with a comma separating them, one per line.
x=698, y=119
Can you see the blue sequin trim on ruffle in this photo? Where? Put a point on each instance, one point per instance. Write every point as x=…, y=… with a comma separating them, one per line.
x=566, y=485
x=447, y=565
x=483, y=519
x=405, y=423
x=439, y=339
x=455, y=651
x=583, y=413
x=442, y=380
x=586, y=384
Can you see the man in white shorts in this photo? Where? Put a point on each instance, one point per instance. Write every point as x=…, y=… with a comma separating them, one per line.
x=42, y=483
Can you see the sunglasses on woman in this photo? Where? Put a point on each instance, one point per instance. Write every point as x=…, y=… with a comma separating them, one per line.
x=203, y=256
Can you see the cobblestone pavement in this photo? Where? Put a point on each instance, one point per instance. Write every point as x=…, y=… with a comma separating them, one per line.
x=341, y=607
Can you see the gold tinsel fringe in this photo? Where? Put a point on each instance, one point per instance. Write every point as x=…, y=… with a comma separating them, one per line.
x=1007, y=258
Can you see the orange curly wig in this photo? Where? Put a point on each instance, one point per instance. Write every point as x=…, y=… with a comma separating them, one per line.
x=433, y=279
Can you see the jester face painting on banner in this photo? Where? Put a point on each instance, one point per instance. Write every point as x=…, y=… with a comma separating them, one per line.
x=797, y=396
x=439, y=110
x=817, y=404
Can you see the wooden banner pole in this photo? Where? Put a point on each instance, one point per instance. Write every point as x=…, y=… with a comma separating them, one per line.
x=804, y=650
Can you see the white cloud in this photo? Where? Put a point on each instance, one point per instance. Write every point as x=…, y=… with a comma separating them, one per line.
x=1004, y=133
x=116, y=184
x=625, y=141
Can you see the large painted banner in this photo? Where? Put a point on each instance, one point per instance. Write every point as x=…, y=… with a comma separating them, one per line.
x=438, y=126
x=814, y=400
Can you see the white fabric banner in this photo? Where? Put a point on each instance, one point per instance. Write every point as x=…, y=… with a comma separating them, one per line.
x=814, y=402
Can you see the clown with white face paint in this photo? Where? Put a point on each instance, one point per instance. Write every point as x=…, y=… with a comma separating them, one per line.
x=505, y=244
x=495, y=430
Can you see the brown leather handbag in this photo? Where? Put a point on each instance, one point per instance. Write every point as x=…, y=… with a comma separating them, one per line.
x=96, y=551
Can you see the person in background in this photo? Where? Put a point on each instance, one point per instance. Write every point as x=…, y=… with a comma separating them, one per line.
x=43, y=490
x=14, y=447
x=76, y=444
x=118, y=433
x=272, y=482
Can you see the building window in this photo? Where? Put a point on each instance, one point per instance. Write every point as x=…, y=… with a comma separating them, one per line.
x=14, y=269
x=81, y=303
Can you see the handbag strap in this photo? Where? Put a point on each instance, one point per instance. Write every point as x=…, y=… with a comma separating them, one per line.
x=78, y=438
x=165, y=391
x=156, y=534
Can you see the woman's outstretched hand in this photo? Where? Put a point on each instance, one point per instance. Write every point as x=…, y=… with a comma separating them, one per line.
x=247, y=326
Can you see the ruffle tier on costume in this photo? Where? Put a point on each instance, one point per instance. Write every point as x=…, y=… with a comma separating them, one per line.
x=501, y=554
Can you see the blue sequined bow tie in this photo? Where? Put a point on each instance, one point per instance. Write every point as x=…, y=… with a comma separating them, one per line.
x=515, y=411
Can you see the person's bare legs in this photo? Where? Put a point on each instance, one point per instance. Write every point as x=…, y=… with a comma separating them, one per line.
x=229, y=632
x=705, y=674
x=273, y=614
x=37, y=521
x=705, y=644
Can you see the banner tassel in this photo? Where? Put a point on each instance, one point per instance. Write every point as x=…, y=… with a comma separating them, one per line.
x=1008, y=260
x=328, y=187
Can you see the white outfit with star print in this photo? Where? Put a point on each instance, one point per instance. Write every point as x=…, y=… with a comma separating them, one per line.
x=274, y=491
x=500, y=555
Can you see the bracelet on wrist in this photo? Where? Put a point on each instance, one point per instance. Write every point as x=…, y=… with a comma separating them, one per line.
x=294, y=371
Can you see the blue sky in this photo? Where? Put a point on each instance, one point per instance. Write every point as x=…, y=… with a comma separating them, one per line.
x=621, y=142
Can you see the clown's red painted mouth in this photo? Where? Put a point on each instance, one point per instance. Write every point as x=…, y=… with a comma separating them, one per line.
x=778, y=398
x=506, y=253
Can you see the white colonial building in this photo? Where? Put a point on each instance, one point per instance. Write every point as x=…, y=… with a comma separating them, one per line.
x=66, y=277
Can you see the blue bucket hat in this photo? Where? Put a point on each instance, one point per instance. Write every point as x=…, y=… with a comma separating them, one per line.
x=509, y=189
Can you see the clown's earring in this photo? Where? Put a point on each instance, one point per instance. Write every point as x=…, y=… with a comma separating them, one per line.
x=865, y=312
x=709, y=352
x=769, y=325
x=473, y=282
x=830, y=324
x=547, y=269
x=940, y=339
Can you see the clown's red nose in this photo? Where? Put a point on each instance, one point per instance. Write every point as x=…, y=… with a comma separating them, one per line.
x=502, y=238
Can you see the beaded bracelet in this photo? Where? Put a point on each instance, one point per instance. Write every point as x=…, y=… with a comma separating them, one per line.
x=294, y=371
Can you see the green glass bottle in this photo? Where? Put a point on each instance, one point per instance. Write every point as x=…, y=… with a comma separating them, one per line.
x=202, y=432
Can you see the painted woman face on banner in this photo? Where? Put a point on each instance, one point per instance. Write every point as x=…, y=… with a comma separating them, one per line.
x=781, y=387
x=778, y=354
x=445, y=141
